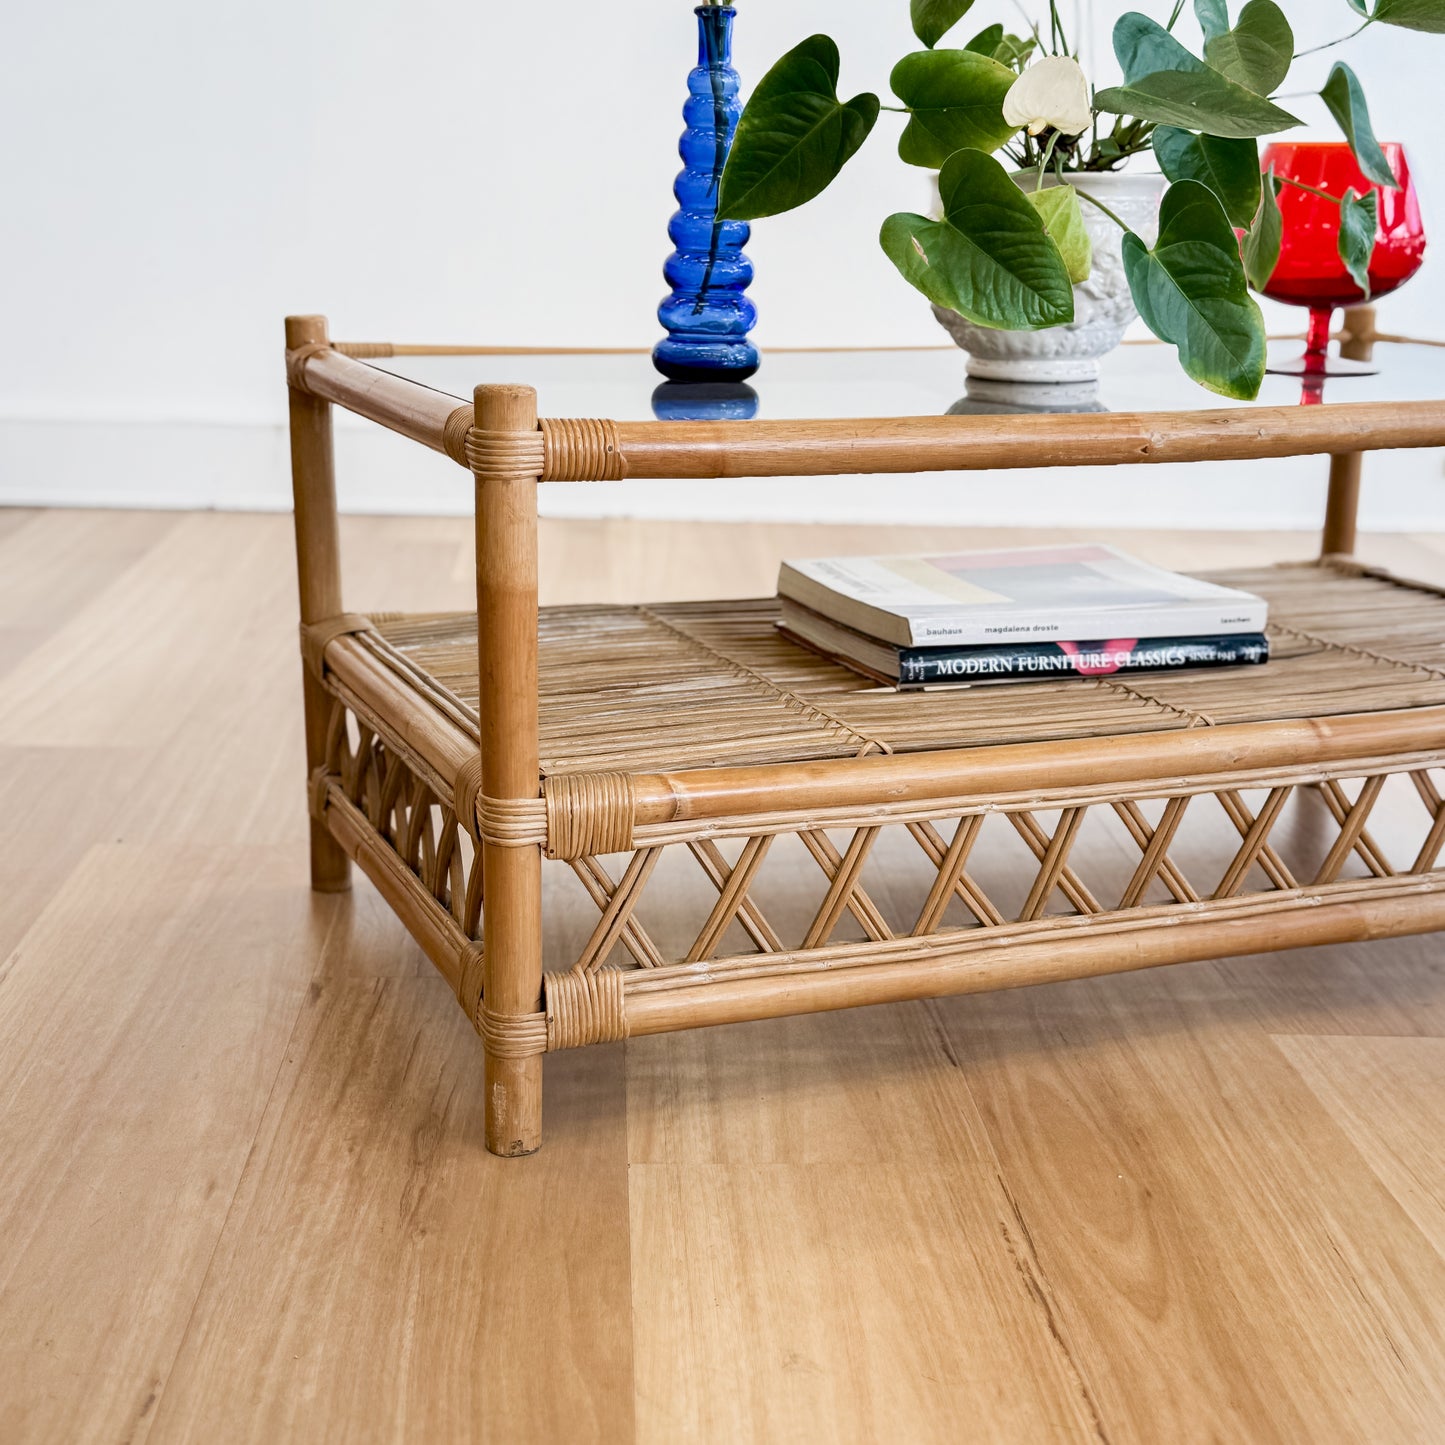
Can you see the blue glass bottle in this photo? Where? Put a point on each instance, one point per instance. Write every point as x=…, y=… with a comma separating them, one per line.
x=707, y=316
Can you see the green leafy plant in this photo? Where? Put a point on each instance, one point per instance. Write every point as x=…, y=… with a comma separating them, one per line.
x=1004, y=108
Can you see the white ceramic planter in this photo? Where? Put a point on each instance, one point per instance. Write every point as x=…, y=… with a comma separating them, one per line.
x=1103, y=307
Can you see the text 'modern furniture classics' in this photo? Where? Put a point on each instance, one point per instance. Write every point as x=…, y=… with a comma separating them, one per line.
x=452, y=756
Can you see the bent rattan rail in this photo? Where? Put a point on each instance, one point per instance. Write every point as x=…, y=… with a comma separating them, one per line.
x=452, y=755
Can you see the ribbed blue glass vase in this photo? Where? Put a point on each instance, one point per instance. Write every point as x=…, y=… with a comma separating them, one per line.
x=707, y=316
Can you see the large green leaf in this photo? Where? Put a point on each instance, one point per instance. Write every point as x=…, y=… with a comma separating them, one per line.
x=1201, y=100
x=1257, y=52
x=1064, y=224
x=1143, y=47
x=1428, y=15
x=794, y=136
x=1169, y=85
x=1346, y=100
x=956, y=102
x=1266, y=235
x=988, y=258
x=1230, y=168
x=987, y=40
x=1359, y=217
x=1213, y=17
x=1191, y=291
x=932, y=19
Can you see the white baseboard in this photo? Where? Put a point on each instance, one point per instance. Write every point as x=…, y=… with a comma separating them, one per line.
x=244, y=467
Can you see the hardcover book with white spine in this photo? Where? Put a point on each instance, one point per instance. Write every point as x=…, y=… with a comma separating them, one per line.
x=961, y=665
x=1028, y=594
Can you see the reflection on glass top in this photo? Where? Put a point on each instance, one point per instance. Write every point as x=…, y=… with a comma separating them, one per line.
x=928, y=381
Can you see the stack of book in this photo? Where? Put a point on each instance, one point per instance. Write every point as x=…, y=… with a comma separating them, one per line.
x=960, y=619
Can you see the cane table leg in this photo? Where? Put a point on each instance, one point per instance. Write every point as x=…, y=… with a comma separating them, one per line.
x=506, y=462
x=1343, y=504
x=318, y=567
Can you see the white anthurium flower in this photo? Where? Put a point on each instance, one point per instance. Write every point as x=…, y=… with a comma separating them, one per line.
x=1051, y=92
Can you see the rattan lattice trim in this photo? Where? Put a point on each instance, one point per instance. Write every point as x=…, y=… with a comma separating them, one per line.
x=1263, y=861
x=408, y=813
x=1121, y=932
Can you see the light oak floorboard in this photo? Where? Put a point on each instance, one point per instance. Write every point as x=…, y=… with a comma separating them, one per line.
x=1226, y=1264
x=805, y=1264
x=1388, y=1095
x=243, y=1193
x=381, y=1278
x=1398, y=989
x=58, y=802
x=53, y=563
x=862, y=1086
x=143, y=1019
x=126, y=668
x=369, y=941
x=841, y=1302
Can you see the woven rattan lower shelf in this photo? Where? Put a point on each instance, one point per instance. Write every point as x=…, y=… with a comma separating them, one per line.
x=761, y=833
x=674, y=734
x=692, y=685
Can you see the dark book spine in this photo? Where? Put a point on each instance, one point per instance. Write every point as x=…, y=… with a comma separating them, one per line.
x=1013, y=662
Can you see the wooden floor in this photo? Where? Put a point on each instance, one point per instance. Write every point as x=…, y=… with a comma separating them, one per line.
x=243, y=1193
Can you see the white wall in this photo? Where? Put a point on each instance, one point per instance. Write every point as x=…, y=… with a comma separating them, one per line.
x=177, y=176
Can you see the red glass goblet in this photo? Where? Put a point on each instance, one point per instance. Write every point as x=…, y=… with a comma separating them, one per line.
x=1310, y=271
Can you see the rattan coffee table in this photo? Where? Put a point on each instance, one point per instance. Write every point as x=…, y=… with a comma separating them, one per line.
x=453, y=756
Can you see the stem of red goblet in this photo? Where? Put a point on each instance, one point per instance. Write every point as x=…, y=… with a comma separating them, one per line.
x=1317, y=338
